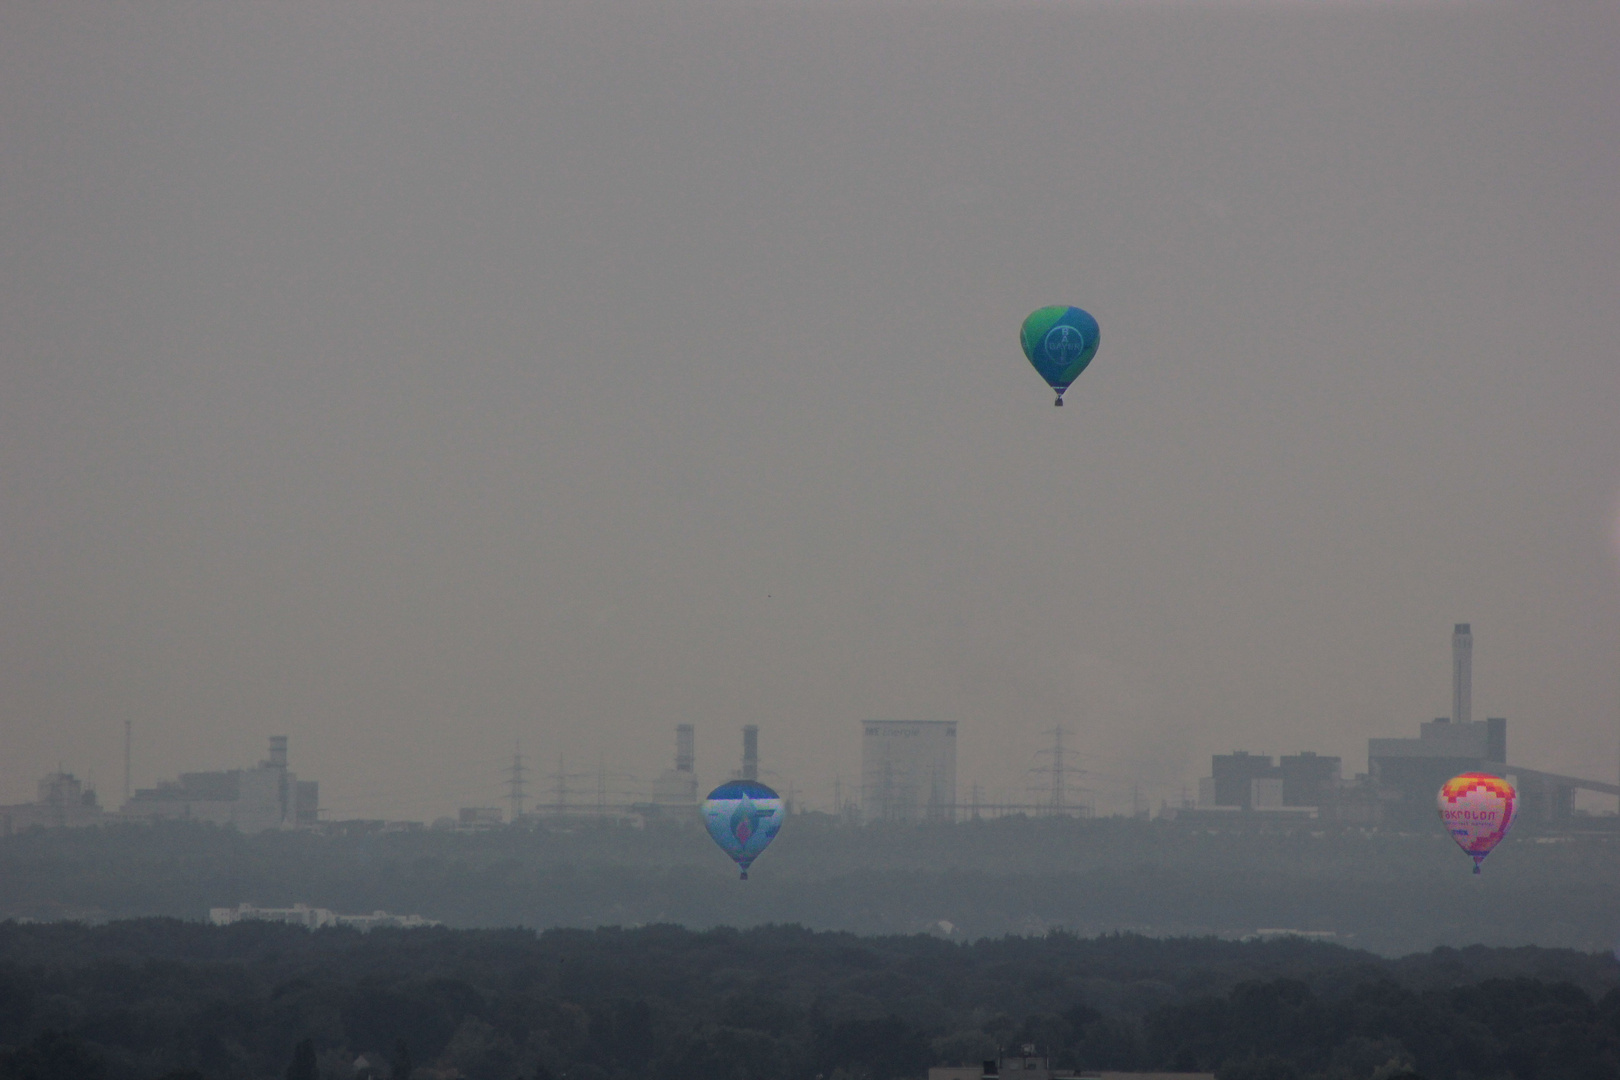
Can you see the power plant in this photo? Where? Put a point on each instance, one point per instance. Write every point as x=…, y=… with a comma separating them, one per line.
x=268, y=796
x=1398, y=789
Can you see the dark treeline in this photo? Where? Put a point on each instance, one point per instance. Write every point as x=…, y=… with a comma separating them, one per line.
x=162, y=998
x=1392, y=893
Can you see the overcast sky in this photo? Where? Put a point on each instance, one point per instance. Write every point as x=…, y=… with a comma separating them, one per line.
x=422, y=380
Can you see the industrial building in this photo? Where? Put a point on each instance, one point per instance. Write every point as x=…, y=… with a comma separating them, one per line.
x=63, y=803
x=1402, y=775
x=1412, y=770
x=1399, y=786
x=1245, y=781
x=266, y=797
x=676, y=790
x=908, y=770
x=1406, y=773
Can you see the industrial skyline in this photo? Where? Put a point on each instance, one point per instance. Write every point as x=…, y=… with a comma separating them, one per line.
x=908, y=775
x=533, y=777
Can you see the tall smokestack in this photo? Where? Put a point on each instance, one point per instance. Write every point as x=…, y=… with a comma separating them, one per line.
x=1462, y=673
x=750, y=770
x=685, y=753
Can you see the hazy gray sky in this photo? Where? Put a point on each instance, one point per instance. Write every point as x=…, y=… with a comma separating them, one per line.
x=413, y=379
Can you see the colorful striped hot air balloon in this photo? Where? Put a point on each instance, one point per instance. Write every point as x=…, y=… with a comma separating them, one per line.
x=1478, y=810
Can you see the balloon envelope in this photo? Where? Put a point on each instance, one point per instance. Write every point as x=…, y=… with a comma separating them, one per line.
x=743, y=817
x=1060, y=342
x=1478, y=810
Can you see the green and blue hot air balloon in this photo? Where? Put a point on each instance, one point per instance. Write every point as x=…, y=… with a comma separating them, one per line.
x=1060, y=342
x=743, y=817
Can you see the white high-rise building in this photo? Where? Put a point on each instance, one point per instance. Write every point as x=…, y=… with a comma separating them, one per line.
x=908, y=770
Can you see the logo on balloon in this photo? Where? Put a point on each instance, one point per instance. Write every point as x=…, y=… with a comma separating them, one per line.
x=745, y=820
x=1064, y=344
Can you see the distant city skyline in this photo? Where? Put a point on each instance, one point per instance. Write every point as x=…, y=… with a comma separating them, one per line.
x=908, y=775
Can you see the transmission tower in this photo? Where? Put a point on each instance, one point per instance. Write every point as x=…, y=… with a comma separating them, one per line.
x=1058, y=772
x=515, y=784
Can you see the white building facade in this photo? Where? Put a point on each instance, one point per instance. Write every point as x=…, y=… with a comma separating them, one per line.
x=908, y=770
x=314, y=918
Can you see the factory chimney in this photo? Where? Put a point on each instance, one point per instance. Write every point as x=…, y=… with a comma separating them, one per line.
x=1462, y=677
x=685, y=754
x=750, y=769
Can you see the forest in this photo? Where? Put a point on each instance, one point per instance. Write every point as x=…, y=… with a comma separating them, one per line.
x=1388, y=892
x=164, y=998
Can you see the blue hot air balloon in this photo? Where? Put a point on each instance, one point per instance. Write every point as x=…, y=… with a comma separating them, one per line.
x=1059, y=341
x=743, y=817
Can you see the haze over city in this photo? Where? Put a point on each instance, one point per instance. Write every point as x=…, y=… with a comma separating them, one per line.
x=423, y=382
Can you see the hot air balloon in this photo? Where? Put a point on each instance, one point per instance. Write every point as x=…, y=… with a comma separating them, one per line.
x=1060, y=342
x=743, y=817
x=1478, y=810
